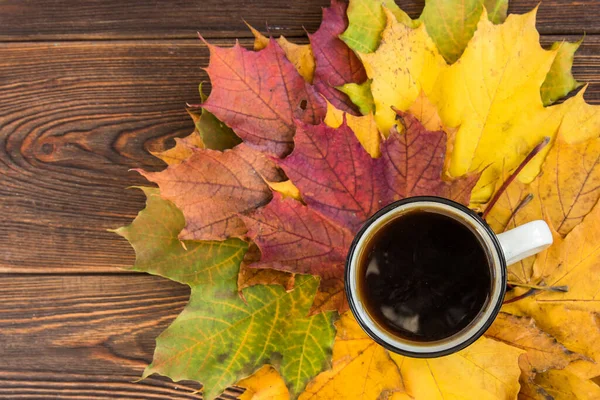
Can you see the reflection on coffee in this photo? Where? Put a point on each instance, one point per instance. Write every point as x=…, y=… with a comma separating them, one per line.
x=424, y=276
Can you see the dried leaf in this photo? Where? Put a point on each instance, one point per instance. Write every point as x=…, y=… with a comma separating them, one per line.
x=259, y=94
x=574, y=262
x=301, y=55
x=498, y=130
x=294, y=238
x=153, y=235
x=367, y=21
x=364, y=127
x=212, y=187
x=286, y=188
x=563, y=194
x=336, y=62
x=487, y=369
x=264, y=384
x=561, y=385
x=361, y=368
x=451, y=23
x=406, y=63
x=254, y=276
x=349, y=187
x=543, y=352
x=560, y=81
x=360, y=95
x=182, y=150
x=218, y=339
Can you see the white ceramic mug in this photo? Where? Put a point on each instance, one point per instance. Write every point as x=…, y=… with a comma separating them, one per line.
x=502, y=250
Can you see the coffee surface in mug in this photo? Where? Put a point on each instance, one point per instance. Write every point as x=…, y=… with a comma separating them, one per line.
x=424, y=276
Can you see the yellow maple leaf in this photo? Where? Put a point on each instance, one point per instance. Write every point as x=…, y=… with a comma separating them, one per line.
x=492, y=95
x=182, y=149
x=559, y=322
x=361, y=368
x=426, y=112
x=542, y=351
x=560, y=385
x=264, y=384
x=487, y=369
x=300, y=55
x=570, y=317
x=574, y=262
x=364, y=127
x=406, y=63
x=286, y=188
x=563, y=194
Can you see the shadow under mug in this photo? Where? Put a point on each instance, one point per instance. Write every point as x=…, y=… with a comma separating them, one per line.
x=504, y=249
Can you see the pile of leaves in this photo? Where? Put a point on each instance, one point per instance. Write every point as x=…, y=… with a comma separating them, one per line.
x=297, y=145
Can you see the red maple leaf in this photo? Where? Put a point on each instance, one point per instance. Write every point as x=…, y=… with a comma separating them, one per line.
x=259, y=94
x=343, y=186
x=335, y=63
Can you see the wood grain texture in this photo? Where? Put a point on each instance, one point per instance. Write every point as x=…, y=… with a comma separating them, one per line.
x=161, y=19
x=86, y=336
x=76, y=117
x=86, y=89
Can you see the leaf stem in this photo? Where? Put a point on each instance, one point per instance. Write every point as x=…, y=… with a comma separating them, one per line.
x=516, y=172
x=523, y=296
x=540, y=287
x=522, y=204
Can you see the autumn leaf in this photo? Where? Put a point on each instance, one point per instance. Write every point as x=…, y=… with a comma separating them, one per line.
x=575, y=263
x=542, y=351
x=212, y=187
x=209, y=133
x=253, y=276
x=153, y=235
x=560, y=385
x=336, y=63
x=360, y=94
x=264, y=384
x=349, y=187
x=451, y=24
x=406, y=63
x=300, y=55
x=570, y=317
x=520, y=120
x=487, y=369
x=218, y=338
x=560, y=81
x=366, y=22
x=214, y=133
x=259, y=94
x=563, y=194
x=364, y=127
x=294, y=238
x=182, y=150
x=361, y=369
x=449, y=102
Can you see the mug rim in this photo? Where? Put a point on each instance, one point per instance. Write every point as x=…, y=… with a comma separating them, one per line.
x=495, y=308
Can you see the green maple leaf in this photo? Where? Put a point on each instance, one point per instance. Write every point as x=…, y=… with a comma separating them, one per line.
x=218, y=338
x=214, y=133
x=451, y=24
x=360, y=94
x=367, y=21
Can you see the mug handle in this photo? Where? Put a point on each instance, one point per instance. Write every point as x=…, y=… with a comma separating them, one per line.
x=525, y=240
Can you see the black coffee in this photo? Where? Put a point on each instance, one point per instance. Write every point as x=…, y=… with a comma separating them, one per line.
x=425, y=276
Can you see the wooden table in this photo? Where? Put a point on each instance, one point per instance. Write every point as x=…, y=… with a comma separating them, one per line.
x=86, y=88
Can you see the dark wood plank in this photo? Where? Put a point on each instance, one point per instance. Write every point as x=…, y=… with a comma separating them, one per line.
x=75, y=117
x=131, y=19
x=86, y=336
